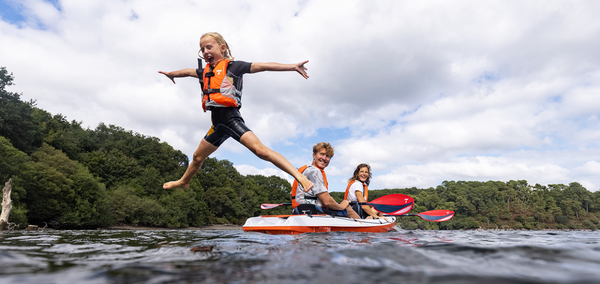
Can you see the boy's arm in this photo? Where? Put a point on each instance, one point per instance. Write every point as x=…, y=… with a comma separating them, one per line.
x=330, y=203
x=189, y=72
x=272, y=66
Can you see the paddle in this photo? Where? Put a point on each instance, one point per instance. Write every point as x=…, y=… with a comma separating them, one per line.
x=392, y=204
x=434, y=215
x=266, y=206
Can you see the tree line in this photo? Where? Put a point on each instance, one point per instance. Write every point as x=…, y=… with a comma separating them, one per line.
x=70, y=177
x=502, y=205
x=66, y=176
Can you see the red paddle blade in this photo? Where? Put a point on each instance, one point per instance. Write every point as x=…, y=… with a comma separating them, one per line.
x=393, y=204
x=437, y=215
x=269, y=206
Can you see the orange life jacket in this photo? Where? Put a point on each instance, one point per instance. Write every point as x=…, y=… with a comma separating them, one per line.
x=217, y=89
x=364, y=185
x=295, y=184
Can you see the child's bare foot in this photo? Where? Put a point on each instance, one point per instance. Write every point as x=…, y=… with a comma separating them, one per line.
x=306, y=184
x=370, y=217
x=175, y=184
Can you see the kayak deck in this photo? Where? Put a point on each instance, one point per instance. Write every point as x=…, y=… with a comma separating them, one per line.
x=299, y=224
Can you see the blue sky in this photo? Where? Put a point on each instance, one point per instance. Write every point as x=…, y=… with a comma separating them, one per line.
x=423, y=91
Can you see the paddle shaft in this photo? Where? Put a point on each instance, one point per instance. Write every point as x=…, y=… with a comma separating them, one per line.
x=392, y=204
x=364, y=203
x=433, y=215
x=287, y=204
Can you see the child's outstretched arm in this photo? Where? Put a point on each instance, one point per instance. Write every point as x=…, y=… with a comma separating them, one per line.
x=271, y=66
x=180, y=73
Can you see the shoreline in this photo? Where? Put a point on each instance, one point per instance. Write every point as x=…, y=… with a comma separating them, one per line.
x=239, y=227
x=207, y=227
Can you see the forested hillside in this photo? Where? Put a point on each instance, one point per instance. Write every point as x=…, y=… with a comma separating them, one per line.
x=502, y=205
x=69, y=177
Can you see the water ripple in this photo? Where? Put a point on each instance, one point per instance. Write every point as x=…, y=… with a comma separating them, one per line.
x=234, y=256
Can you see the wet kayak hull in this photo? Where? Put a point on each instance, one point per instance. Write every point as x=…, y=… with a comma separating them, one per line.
x=300, y=224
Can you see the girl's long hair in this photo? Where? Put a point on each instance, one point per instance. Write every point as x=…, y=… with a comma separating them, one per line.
x=355, y=176
x=220, y=40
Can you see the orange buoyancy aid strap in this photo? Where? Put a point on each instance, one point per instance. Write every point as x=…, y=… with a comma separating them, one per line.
x=348, y=189
x=295, y=185
x=324, y=178
x=364, y=186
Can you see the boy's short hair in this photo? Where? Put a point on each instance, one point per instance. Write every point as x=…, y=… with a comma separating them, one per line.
x=324, y=145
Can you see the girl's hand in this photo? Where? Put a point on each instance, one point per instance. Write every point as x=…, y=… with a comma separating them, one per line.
x=379, y=217
x=301, y=69
x=169, y=75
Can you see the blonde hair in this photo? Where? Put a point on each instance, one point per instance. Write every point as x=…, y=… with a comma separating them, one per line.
x=221, y=41
x=355, y=176
x=324, y=145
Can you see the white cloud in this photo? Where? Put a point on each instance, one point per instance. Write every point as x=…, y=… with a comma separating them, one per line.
x=251, y=170
x=423, y=91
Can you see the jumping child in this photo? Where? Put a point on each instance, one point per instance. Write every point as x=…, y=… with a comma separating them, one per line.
x=221, y=82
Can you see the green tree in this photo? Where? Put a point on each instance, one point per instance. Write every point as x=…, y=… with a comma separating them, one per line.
x=181, y=208
x=62, y=192
x=70, y=138
x=128, y=208
x=224, y=205
x=580, y=194
x=12, y=162
x=16, y=121
x=271, y=189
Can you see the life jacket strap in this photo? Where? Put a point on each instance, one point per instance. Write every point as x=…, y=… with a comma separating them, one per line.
x=212, y=91
x=208, y=75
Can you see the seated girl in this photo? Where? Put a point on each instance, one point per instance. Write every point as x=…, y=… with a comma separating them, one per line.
x=358, y=191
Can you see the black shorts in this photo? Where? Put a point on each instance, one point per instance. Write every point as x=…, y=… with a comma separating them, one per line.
x=227, y=122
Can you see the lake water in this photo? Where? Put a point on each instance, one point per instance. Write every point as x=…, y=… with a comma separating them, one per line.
x=234, y=256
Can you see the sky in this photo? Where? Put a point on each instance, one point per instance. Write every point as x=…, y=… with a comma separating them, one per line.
x=423, y=91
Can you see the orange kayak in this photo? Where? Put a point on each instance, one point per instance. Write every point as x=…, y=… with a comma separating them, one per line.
x=299, y=224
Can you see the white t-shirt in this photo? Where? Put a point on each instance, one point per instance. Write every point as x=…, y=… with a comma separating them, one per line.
x=356, y=186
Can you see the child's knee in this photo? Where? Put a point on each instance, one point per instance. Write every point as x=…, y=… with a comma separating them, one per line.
x=263, y=152
x=198, y=158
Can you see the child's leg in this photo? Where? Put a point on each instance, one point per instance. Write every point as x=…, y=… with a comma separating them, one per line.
x=252, y=142
x=203, y=151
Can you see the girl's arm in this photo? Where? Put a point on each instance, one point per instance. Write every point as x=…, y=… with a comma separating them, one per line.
x=367, y=208
x=189, y=72
x=272, y=66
